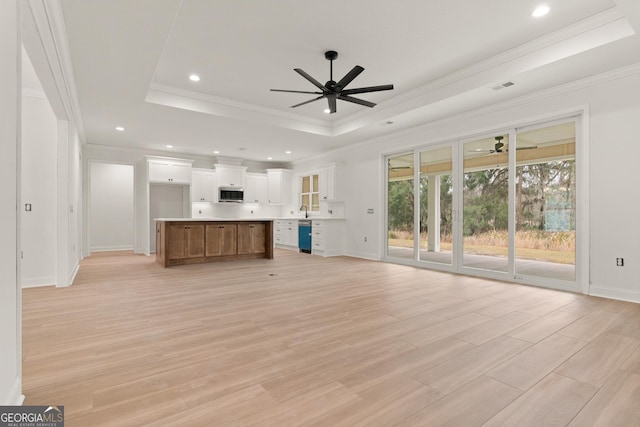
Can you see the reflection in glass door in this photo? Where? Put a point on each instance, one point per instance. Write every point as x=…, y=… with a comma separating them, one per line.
x=436, y=205
x=485, y=204
x=400, y=221
x=545, y=202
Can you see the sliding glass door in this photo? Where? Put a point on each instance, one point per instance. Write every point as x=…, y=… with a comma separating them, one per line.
x=545, y=202
x=503, y=205
x=485, y=203
x=400, y=202
x=436, y=205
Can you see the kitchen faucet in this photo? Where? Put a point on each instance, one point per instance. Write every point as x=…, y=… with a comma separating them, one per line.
x=306, y=210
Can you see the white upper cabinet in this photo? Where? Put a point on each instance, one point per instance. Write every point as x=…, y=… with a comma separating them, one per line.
x=231, y=176
x=327, y=183
x=203, y=186
x=169, y=171
x=278, y=186
x=256, y=189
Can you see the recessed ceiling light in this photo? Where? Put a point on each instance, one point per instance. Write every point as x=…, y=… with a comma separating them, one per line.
x=194, y=78
x=287, y=152
x=119, y=128
x=169, y=146
x=269, y=158
x=327, y=111
x=540, y=11
x=216, y=152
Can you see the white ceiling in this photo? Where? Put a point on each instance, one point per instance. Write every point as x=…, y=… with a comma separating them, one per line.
x=132, y=58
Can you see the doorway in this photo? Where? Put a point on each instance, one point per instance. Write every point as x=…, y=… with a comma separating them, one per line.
x=111, y=207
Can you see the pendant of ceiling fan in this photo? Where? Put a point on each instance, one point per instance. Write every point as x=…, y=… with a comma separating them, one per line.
x=333, y=90
x=499, y=147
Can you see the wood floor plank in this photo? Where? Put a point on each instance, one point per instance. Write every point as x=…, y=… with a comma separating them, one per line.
x=615, y=405
x=632, y=364
x=527, y=368
x=599, y=360
x=381, y=405
x=307, y=340
x=554, y=401
x=590, y=326
x=471, y=406
x=303, y=408
x=494, y=328
x=406, y=365
x=452, y=374
x=544, y=326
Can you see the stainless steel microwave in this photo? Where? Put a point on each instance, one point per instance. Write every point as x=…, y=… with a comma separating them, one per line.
x=231, y=194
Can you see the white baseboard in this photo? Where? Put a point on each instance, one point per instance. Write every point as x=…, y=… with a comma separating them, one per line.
x=111, y=248
x=36, y=282
x=15, y=396
x=72, y=277
x=363, y=255
x=619, y=294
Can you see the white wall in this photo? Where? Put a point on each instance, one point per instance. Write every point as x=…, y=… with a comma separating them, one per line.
x=111, y=209
x=613, y=103
x=69, y=203
x=10, y=295
x=39, y=189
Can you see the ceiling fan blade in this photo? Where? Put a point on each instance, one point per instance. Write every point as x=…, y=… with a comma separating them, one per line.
x=307, y=102
x=332, y=103
x=367, y=89
x=311, y=79
x=356, y=101
x=530, y=147
x=348, y=78
x=295, y=91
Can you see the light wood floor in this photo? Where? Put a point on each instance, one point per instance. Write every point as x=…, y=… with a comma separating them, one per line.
x=303, y=340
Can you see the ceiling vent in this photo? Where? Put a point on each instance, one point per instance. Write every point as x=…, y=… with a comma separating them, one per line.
x=504, y=85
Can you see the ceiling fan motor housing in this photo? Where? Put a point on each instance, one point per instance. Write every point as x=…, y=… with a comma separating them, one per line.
x=331, y=55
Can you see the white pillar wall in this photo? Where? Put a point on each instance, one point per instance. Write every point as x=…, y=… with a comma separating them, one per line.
x=10, y=292
x=433, y=213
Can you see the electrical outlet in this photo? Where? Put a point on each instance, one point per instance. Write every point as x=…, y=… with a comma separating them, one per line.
x=365, y=238
x=620, y=262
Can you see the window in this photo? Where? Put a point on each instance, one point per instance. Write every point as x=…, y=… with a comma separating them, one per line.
x=501, y=205
x=309, y=196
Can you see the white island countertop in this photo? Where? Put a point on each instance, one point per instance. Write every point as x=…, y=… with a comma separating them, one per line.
x=247, y=219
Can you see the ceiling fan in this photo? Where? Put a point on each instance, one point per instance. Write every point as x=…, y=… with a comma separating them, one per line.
x=396, y=168
x=499, y=147
x=333, y=90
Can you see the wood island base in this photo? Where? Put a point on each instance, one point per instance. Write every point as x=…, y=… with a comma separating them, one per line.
x=180, y=242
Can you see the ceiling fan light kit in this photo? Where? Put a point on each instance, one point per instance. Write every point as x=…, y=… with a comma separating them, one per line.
x=333, y=90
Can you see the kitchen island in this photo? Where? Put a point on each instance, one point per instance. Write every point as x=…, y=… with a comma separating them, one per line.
x=182, y=241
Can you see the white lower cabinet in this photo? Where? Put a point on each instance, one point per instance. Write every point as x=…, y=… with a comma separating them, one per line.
x=327, y=237
x=285, y=233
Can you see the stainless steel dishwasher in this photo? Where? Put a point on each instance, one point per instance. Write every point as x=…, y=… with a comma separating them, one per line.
x=304, y=235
